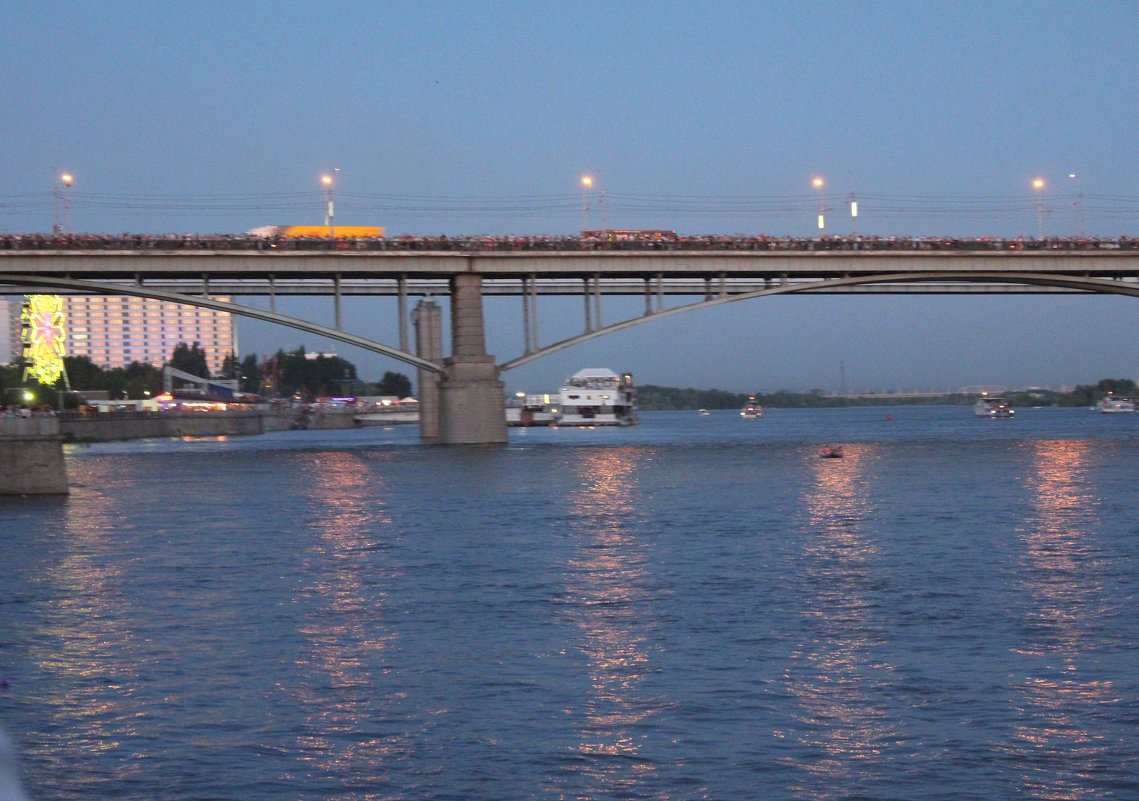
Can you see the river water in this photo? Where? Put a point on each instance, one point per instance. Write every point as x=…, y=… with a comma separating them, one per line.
x=693, y=608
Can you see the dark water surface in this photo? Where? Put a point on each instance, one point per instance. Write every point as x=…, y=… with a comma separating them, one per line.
x=695, y=608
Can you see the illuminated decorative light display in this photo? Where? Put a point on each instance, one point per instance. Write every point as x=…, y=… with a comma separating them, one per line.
x=43, y=338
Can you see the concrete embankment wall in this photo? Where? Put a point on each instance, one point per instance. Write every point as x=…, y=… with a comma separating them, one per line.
x=109, y=427
x=31, y=457
x=120, y=426
x=31, y=450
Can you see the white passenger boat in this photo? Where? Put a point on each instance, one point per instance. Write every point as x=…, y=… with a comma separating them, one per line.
x=598, y=397
x=993, y=407
x=751, y=410
x=1114, y=404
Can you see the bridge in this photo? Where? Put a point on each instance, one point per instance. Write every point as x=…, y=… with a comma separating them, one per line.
x=462, y=395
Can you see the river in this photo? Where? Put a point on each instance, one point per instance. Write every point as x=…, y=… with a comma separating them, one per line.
x=692, y=608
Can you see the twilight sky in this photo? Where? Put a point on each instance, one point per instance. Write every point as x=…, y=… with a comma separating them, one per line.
x=481, y=117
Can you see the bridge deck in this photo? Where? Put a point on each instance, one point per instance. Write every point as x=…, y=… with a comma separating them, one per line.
x=617, y=272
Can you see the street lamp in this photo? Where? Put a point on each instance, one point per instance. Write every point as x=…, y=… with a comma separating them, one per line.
x=326, y=180
x=67, y=179
x=61, y=197
x=586, y=185
x=1080, y=208
x=820, y=184
x=1038, y=185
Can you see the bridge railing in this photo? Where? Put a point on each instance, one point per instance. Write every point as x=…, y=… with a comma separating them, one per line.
x=506, y=244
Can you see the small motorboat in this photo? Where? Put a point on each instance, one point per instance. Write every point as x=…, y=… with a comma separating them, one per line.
x=993, y=408
x=831, y=452
x=751, y=410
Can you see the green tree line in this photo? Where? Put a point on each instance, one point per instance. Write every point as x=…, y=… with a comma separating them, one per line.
x=1082, y=395
x=656, y=398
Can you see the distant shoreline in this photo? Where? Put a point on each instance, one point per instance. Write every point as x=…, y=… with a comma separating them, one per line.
x=657, y=398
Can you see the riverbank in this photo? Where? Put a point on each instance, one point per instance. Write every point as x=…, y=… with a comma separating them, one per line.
x=156, y=425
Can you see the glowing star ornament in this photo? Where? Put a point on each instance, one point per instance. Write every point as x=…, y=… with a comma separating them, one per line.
x=43, y=338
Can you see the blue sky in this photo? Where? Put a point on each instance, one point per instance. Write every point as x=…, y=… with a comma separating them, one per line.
x=480, y=117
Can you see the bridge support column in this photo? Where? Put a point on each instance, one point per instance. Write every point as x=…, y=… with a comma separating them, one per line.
x=527, y=347
x=401, y=310
x=428, y=321
x=588, y=307
x=336, y=301
x=471, y=406
x=534, y=312
x=31, y=451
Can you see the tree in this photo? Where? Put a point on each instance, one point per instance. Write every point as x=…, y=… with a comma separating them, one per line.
x=1085, y=395
x=142, y=380
x=13, y=386
x=312, y=378
x=229, y=368
x=190, y=359
x=396, y=384
x=250, y=374
x=82, y=373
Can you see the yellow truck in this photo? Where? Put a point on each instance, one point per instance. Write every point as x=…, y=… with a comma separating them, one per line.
x=318, y=231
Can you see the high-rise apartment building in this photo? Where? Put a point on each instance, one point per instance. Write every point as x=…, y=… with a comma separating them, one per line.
x=114, y=331
x=11, y=346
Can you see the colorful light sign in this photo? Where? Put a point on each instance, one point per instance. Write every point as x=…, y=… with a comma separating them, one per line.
x=43, y=338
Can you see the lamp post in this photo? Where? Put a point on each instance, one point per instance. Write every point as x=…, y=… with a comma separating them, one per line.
x=820, y=184
x=1038, y=185
x=326, y=180
x=586, y=185
x=67, y=179
x=1080, y=207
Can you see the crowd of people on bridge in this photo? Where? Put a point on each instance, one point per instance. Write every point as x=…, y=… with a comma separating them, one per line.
x=482, y=244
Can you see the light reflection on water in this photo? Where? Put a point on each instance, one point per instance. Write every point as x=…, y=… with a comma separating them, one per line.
x=86, y=616
x=610, y=605
x=833, y=675
x=344, y=636
x=1055, y=749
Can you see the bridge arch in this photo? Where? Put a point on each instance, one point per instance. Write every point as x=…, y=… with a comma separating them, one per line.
x=1103, y=286
x=232, y=308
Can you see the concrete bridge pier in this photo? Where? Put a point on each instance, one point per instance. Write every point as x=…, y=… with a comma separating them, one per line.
x=428, y=345
x=31, y=457
x=471, y=406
